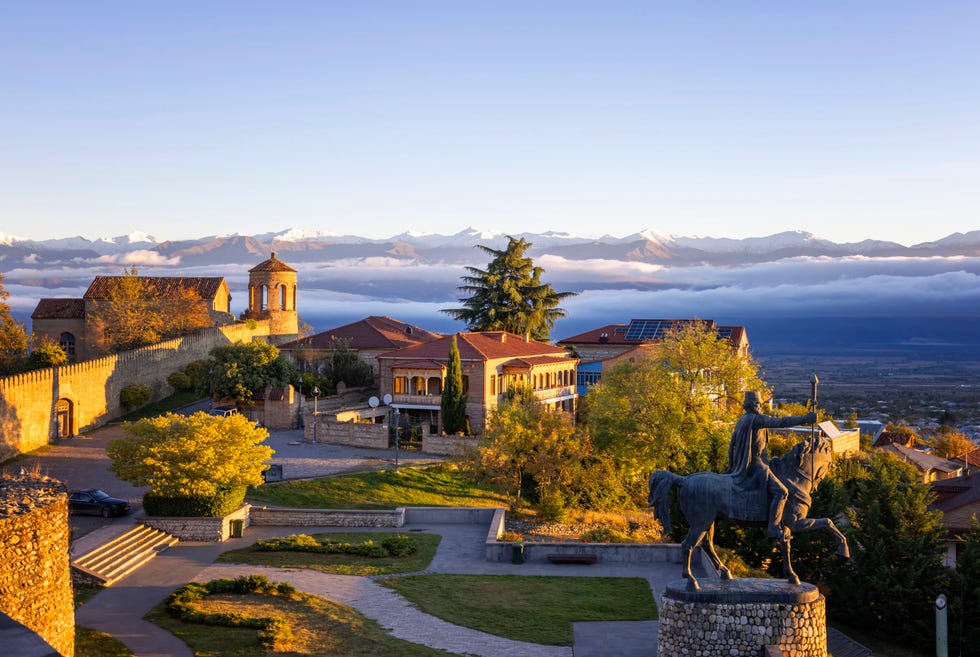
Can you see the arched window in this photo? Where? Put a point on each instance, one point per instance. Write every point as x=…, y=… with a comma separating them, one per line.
x=400, y=385
x=67, y=343
x=293, y=307
x=265, y=298
x=282, y=297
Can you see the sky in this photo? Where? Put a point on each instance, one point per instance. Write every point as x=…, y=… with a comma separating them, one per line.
x=849, y=120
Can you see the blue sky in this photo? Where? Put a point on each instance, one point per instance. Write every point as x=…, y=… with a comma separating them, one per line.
x=728, y=119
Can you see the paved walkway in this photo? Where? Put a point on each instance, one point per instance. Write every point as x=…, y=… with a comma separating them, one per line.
x=81, y=463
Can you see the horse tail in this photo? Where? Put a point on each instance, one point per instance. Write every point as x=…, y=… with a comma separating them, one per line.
x=660, y=484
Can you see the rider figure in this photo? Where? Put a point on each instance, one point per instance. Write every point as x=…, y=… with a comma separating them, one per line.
x=748, y=458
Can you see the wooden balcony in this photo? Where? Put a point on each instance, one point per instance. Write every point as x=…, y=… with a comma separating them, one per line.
x=417, y=400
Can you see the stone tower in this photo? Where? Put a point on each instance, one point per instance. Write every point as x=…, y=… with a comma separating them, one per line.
x=272, y=296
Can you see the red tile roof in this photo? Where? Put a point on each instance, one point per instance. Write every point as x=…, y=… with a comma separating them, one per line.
x=163, y=286
x=369, y=333
x=420, y=365
x=536, y=360
x=59, y=309
x=954, y=493
x=273, y=264
x=479, y=346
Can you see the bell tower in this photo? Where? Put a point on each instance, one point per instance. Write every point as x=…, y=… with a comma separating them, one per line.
x=272, y=296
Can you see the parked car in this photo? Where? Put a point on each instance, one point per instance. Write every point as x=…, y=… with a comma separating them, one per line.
x=223, y=411
x=93, y=501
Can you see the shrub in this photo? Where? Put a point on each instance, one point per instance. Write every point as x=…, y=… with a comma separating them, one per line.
x=274, y=631
x=393, y=546
x=400, y=545
x=552, y=506
x=135, y=395
x=195, y=506
x=606, y=535
x=179, y=381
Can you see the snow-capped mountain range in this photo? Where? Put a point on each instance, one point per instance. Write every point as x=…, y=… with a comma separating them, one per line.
x=317, y=246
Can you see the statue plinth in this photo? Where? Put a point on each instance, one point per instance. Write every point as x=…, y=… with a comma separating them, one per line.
x=738, y=617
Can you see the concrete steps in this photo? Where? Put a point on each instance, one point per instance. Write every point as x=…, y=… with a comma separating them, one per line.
x=112, y=561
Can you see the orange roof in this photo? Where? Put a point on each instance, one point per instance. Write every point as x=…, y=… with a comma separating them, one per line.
x=369, y=333
x=273, y=264
x=59, y=309
x=481, y=346
x=524, y=363
x=163, y=286
x=420, y=365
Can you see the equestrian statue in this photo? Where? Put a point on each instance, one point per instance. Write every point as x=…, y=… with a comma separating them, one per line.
x=754, y=489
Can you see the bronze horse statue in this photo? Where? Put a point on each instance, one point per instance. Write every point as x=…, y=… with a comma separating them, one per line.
x=706, y=496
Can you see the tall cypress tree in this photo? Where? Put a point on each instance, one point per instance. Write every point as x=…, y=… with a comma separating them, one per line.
x=453, y=397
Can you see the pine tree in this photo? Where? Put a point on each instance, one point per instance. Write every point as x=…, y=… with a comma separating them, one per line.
x=509, y=295
x=453, y=401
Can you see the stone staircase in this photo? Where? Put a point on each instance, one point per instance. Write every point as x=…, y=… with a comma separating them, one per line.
x=109, y=563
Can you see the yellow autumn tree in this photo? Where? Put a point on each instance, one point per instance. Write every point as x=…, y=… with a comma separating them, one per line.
x=196, y=455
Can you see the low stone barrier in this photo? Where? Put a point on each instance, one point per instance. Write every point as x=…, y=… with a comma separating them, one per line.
x=742, y=618
x=353, y=434
x=200, y=529
x=264, y=516
x=447, y=445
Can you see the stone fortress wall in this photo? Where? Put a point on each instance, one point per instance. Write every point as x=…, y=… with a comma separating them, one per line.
x=36, y=407
x=35, y=580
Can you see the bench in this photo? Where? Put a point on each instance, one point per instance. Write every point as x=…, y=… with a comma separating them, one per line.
x=573, y=558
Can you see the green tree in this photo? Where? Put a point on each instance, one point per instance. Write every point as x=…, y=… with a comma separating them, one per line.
x=13, y=336
x=897, y=547
x=509, y=295
x=674, y=407
x=531, y=452
x=453, y=402
x=135, y=395
x=242, y=370
x=343, y=365
x=199, y=454
x=46, y=355
x=964, y=597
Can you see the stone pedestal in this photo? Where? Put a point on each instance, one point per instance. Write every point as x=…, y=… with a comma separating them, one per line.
x=740, y=617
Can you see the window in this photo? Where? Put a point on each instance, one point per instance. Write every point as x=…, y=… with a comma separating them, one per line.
x=264, y=291
x=400, y=385
x=493, y=384
x=282, y=297
x=67, y=343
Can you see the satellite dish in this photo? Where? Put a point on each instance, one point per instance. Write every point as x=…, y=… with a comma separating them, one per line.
x=387, y=399
x=373, y=402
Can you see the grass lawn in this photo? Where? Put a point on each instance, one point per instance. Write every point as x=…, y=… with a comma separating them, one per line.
x=442, y=485
x=535, y=609
x=319, y=627
x=165, y=405
x=343, y=564
x=92, y=643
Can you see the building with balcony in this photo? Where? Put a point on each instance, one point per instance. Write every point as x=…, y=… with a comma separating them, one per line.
x=491, y=363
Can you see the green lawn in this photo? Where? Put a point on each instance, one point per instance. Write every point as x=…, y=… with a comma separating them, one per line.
x=534, y=609
x=92, y=643
x=442, y=485
x=343, y=564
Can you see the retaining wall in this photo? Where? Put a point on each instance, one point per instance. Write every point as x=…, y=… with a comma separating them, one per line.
x=199, y=529
x=327, y=517
x=354, y=434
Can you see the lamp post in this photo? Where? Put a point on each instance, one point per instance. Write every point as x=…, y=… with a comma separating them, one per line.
x=398, y=431
x=316, y=396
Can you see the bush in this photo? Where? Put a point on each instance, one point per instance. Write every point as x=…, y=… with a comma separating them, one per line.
x=606, y=535
x=274, y=632
x=135, y=395
x=552, y=506
x=392, y=546
x=400, y=545
x=179, y=381
x=195, y=506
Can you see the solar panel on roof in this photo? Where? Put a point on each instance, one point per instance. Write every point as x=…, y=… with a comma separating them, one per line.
x=648, y=329
x=724, y=333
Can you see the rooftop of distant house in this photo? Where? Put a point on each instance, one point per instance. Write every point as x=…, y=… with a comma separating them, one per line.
x=374, y=332
x=273, y=264
x=206, y=287
x=650, y=330
x=59, y=309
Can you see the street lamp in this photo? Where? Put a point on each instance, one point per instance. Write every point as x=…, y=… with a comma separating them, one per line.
x=374, y=402
x=316, y=396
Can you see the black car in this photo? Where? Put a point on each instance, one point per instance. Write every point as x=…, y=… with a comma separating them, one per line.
x=96, y=502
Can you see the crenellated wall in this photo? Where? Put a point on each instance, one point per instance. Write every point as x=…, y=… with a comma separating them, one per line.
x=29, y=402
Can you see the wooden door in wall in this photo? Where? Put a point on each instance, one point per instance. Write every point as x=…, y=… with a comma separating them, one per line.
x=63, y=412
